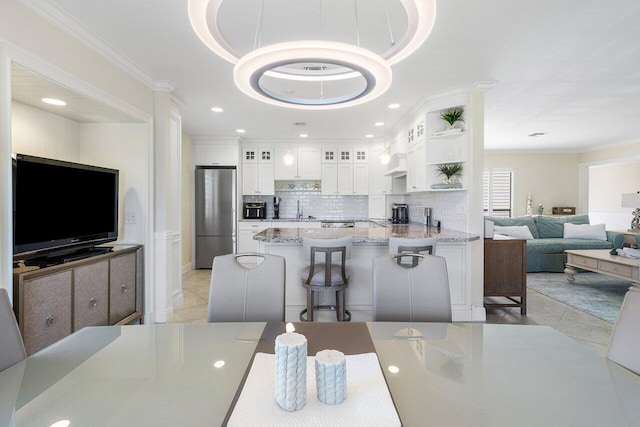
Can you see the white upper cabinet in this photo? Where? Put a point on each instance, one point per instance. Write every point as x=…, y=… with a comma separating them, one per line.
x=305, y=164
x=257, y=171
x=345, y=171
x=378, y=182
x=214, y=155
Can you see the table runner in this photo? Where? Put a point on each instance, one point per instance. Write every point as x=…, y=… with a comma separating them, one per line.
x=349, y=338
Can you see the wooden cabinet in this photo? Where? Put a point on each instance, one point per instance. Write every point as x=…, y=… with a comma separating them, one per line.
x=46, y=317
x=52, y=302
x=91, y=295
x=122, y=287
x=505, y=272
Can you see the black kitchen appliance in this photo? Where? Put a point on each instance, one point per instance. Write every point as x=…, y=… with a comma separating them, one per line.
x=255, y=210
x=276, y=207
x=400, y=213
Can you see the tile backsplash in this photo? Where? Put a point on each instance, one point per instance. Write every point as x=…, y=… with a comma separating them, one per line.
x=312, y=203
x=450, y=207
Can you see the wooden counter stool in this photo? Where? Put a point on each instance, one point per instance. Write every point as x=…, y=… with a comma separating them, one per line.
x=326, y=273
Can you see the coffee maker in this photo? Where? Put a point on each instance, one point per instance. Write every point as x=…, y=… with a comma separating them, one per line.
x=276, y=207
x=400, y=213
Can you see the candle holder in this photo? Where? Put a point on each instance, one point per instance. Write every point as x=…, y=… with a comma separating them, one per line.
x=291, y=371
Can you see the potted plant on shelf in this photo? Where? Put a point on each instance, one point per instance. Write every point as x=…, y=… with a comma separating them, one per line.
x=451, y=172
x=452, y=116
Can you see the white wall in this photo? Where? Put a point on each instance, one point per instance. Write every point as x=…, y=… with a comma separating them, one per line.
x=40, y=133
x=123, y=147
x=552, y=178
x=607, y=183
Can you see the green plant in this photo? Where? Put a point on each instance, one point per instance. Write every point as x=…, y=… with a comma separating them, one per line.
x=450, y=169
x=452, y=115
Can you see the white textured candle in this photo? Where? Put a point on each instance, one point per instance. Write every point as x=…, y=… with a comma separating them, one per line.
x=331, y=376
x=291, y=371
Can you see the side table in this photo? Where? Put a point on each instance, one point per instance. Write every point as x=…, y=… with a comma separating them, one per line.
x=505, y=271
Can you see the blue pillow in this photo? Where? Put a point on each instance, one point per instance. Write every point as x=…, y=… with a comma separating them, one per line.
x=552, y=226
x=520, y=220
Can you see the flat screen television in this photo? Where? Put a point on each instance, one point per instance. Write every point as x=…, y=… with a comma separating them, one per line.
x=61, y=207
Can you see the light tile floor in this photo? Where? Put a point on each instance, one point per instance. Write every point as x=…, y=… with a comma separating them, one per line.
x=587, y=330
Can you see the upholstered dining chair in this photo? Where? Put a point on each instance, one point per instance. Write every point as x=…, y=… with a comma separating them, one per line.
x=423, y=246
x=327, y=272
x=239, y=293
x=416, y=293
x=624, y=344
x=11, y=346
x=637, y=238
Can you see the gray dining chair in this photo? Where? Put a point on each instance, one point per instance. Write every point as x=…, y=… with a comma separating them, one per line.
x=624, y=344
x=398, y=245
x=415, y=293
x=239, y=293
x=637, y=238
x=11, y=346
x=327, y=272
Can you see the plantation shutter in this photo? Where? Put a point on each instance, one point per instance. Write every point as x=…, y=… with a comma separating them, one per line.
x=498, y=192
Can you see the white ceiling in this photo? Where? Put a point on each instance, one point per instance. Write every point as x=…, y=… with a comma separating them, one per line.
x=568, y=68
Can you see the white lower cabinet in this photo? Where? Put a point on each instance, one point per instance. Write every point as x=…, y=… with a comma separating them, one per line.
x=246, y=231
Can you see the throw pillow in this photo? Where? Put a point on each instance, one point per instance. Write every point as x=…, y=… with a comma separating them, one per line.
x=584, y=231
x=552, y=226
x=520, y=220
x=518, y=231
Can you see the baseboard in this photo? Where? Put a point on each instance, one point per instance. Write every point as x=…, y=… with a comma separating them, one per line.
x=187, y=267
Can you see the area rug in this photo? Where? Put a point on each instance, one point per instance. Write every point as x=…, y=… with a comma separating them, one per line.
x=592, y=293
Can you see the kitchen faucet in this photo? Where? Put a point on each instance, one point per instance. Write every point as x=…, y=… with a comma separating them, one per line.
x=299, y=211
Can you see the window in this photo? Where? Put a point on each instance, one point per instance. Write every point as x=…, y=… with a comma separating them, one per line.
x=498, y=192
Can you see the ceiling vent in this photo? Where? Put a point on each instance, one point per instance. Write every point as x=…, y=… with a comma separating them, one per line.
x=300, y=124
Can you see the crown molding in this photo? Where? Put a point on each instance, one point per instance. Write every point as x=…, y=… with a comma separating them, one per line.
x=75, y=29
x=28, y=60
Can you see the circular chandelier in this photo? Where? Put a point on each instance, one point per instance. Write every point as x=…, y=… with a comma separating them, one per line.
x=328, y=74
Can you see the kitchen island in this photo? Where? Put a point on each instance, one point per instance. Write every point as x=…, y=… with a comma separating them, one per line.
x=368, y=243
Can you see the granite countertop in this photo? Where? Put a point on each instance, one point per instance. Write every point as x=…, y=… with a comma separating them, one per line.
x=363, y=235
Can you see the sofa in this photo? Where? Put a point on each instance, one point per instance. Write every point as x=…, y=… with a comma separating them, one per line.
x=545, y=251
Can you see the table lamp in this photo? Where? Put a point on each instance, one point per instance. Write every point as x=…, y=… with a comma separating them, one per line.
x=632, y=200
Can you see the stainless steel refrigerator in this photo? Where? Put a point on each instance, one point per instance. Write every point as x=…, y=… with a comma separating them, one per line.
x=215, y=192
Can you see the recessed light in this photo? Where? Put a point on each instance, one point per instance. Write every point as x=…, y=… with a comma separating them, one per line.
x=218, y=364
x=61, y=423
x=393, y=369
x=394, y=106
x=303, y=135
x=217, y=109
x=368, y=135
x=240, y=130
x=537, y=134
x=378, y=124
x=53, y=101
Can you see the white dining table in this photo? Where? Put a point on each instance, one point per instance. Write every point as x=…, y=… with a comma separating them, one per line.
x=458, y=374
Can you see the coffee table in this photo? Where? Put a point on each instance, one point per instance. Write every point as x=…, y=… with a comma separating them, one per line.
x=601, y=261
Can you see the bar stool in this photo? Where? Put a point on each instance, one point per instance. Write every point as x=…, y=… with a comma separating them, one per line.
x=326, y=273
x=399, y=245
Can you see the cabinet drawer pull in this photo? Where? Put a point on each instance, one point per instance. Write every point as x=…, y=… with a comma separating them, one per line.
x=123, y=288
x=92, y=302
x=49, y=320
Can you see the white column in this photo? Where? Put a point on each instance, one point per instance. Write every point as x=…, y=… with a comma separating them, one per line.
x=167, y=189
